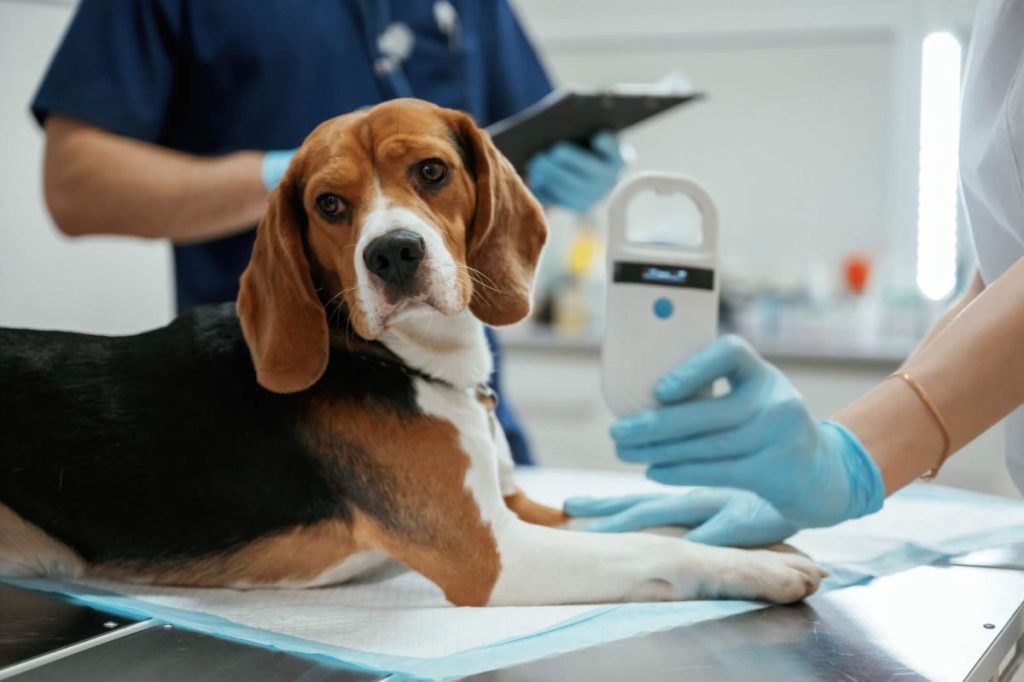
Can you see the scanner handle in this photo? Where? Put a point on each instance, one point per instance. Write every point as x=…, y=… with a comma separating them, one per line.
x=663, y=184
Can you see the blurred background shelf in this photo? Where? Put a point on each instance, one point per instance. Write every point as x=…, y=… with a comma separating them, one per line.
x=836, y=349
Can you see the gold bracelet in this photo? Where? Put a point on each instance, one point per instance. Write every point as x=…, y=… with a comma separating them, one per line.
x=939, y=419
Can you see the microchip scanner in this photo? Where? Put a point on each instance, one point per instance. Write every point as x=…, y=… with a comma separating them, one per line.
x=662, y=298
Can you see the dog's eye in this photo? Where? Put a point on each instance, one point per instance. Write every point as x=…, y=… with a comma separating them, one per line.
x=330, y=205
x=433, y=171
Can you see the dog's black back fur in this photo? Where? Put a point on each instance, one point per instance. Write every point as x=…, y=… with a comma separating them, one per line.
x=163, y=445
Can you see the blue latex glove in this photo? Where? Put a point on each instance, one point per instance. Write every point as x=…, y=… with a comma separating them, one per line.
x=274, y=165
x=715, y=516
x=572, y=176
x=758, y=437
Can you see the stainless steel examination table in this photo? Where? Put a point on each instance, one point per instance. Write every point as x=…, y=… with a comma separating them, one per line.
x=963, y=620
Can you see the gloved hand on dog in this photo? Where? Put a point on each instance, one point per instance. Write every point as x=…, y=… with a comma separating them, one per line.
x=716, y=516
x=574, y=177
x=758, y=437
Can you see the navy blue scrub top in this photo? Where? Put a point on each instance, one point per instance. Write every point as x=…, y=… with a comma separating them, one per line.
x=211, y=77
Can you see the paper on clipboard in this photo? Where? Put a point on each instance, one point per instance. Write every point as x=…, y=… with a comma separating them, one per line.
x=577, y=113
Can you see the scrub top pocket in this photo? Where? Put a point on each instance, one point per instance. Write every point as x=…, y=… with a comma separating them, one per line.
x=445, y=66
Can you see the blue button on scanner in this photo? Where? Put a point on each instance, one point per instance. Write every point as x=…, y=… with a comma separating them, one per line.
x=663, y=308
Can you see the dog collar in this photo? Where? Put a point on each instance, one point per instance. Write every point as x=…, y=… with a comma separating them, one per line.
x=486, y=395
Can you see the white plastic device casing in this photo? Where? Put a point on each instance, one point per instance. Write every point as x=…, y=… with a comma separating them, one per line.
x=639, y=345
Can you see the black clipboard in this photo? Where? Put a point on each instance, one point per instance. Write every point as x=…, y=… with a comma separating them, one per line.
x=577, y=114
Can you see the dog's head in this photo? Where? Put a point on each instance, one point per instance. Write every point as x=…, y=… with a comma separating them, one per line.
x=387, y=210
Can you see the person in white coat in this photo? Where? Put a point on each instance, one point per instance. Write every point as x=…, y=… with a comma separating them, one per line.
x=791, y=472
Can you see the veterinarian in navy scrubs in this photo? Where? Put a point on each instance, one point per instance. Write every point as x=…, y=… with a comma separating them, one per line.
x=158, y=113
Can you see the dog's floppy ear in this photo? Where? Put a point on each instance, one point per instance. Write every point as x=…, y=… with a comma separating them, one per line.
x=507, y=233
x=282, y=319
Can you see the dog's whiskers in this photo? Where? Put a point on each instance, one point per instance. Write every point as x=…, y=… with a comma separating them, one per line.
x=482, y=290
x=478, y=278
x=335, y=309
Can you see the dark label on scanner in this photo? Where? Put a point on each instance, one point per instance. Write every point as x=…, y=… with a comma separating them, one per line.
x=664, y=275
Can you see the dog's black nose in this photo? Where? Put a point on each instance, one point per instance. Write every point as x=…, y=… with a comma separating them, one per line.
x=395, y=256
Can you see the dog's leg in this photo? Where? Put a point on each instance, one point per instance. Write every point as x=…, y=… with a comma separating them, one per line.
x=27, y=551
x=515, y=499
x=508, y=562
x=543, y=566
x=539, y=565
x=535, y=512
x=457, y=553
x=547, y=566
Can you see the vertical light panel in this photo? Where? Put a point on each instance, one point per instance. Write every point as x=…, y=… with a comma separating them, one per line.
x=937, y=168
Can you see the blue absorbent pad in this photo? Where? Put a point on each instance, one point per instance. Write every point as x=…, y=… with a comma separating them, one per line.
x=396, y=622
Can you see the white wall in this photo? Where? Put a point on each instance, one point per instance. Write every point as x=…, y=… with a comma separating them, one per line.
x=792, y=143
x=98, y=284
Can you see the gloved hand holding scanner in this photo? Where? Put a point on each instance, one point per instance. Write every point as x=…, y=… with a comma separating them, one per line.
x=663, y=308
x=791, y=471
x=757, y=437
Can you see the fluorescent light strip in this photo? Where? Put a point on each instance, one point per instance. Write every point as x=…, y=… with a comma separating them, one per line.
x=937, y=166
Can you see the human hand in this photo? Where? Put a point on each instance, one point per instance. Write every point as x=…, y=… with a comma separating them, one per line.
x=758, y=437
x=716, y=516
x=575, y=177
x=273, y=167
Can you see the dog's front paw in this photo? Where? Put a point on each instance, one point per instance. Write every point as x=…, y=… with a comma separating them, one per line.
x=782, y=578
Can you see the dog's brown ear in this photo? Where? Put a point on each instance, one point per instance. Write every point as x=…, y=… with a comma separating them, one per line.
x=282, y=319
x=507, y=232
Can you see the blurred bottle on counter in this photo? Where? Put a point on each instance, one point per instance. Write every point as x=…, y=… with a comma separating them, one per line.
x=577, y=303
x=863, y=302
x=856, y=270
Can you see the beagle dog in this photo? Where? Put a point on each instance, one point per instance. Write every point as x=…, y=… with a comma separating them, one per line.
x=336, y=416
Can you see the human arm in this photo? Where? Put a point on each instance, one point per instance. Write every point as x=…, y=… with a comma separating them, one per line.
x=976, y=286
x=107, y=103
x=972, y=370
x=97, y=182
x=968, y=365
